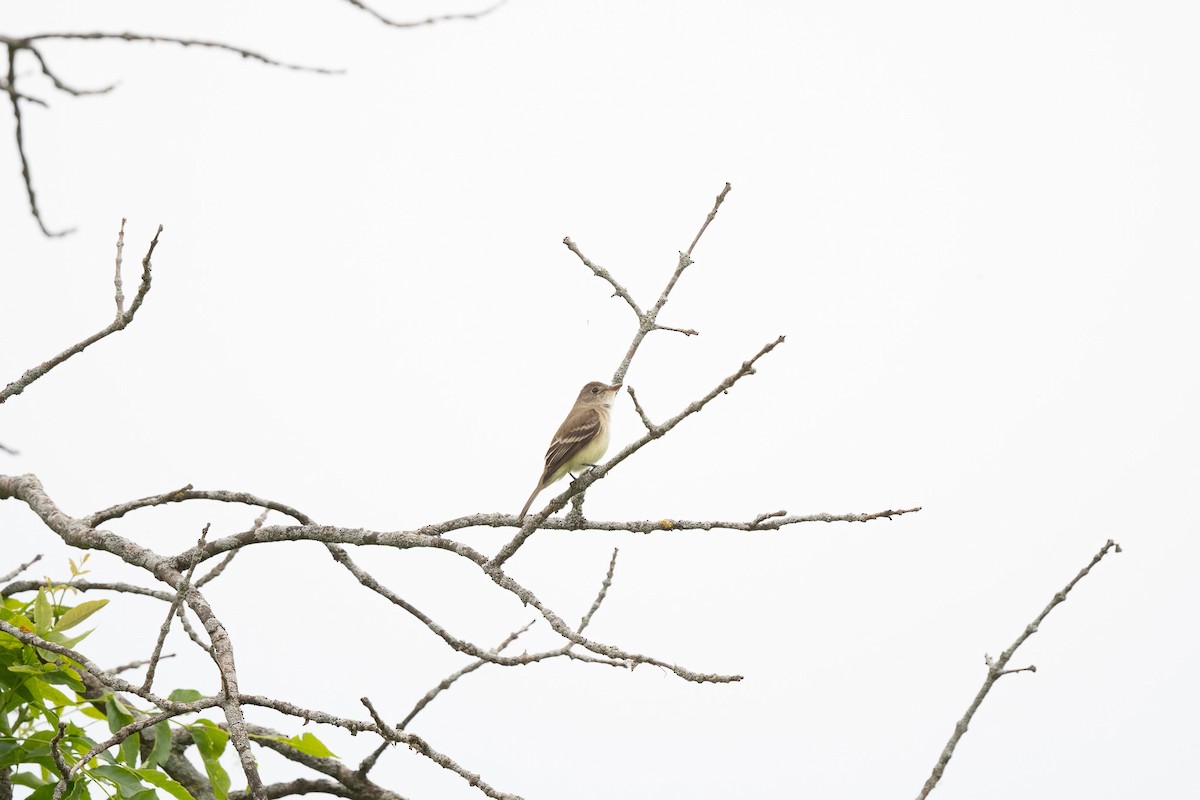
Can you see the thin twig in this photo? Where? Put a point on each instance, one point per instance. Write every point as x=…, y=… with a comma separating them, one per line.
x=421, y=746
x=191, y=632
x=216, y=571
x=120, y=294
x=15, y=98
x=428, y=20
x=608, y=578
x=445, y=684
x=600, y=272
x=21, y=569
x=188, y=493
x=684, y=331
x=127, y=36
x=996, y=669
x=650, y=426
x=87, y=586
x=122, y=320
x=165, y=628
x=58, y=84
x=711, y=215
x=135, y=664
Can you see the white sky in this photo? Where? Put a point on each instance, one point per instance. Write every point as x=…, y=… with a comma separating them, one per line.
x=975, y=224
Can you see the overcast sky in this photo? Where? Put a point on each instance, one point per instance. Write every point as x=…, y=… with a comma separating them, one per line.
x=976, y=225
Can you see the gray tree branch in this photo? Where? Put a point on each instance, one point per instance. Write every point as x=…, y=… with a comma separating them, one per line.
x=996, y=670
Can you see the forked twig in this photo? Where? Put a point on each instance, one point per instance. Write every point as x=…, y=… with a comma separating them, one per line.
x=121, y=321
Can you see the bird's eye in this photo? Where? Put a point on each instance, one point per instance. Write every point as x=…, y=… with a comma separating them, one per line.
x=594, y=390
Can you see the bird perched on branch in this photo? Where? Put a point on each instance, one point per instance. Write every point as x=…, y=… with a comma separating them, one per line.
x=581, y=440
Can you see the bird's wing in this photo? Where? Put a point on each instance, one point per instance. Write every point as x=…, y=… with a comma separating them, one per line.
x=576, y=432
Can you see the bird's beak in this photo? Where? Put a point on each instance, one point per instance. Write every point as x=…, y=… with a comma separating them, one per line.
x=616, y=387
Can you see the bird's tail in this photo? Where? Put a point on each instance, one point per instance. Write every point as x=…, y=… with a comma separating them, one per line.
x=536, y=491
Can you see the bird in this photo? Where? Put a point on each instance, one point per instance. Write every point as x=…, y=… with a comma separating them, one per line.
x=581, y=440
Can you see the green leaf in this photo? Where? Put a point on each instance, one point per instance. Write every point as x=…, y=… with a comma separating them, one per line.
x=128, y=782
x=17, y=620
x=42, y=613
x=40, y=669
x=56, y=698
x=118, y=715
x=162, y=745
x=79, y=613
x=90, y=710
x=67, y=641
x=185, y=696
x=42, y=793
x=28, y=780
x=130, y=748
x=78, y=790
x=210, y=741
x=310, y=745
x=173, y=788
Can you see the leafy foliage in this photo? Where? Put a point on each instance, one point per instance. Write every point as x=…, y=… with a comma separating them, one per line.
x=45, y=706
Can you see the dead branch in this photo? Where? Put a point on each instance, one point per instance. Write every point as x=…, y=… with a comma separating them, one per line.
x=121, y=321
x=996, y=669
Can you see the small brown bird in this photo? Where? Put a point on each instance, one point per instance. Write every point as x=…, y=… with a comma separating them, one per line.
x=581, y=440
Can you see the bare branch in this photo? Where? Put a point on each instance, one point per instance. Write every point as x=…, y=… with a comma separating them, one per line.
x=135, y=664
x=120, y=323
x=306, y=786
x=600, y=272
x=996, y=669
x=87, y=586
x=59, y=761
x=191, y=632
x=711, y=215
x=421, y=746
x=58, y=84
x=650, y=426
x=216, y=571
x=188, y=493
x=608, y=578
x=15, y=98
x=761, y=518
x=422, y=22
x=74, y=533
x=355, y=784
x=445, y=684
x=165, y=628
x=119, y=294
x=97, y=36
x=649, y=320
x=9, y=450
x=684, y=331
x=18, y=571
